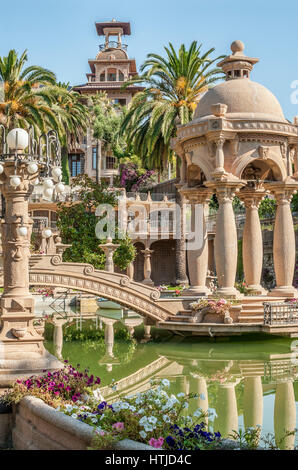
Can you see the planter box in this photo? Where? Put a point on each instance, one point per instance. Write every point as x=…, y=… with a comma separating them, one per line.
x=37, y=426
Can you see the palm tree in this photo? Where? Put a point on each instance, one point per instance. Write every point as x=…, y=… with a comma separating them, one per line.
x=22, y=101
x=73, y=118
x=174, y=85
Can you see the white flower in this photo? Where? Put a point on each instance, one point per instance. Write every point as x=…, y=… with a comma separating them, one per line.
x=202, y=396
x=132, y=408
x=166, y=418
x=165, y=382
x=180, y=395
x=94, y=420
x=143, y=421
x=197, y=413
x=152, y=419
x=97, y=394
x=125, y=405
x=148, y=428
x=74, y=415
x=185, y=405
x=141, y=411
x=143, y=434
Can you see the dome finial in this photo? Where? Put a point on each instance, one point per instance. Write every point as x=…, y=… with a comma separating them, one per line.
x=237, y=46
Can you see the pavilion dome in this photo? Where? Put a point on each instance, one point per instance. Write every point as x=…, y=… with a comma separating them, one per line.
x=244, y=98
x=115, y=53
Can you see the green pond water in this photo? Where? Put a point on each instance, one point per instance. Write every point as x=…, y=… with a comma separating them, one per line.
x=243, y=381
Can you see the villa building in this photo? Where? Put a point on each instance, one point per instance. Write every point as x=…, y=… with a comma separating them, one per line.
x=108, y=71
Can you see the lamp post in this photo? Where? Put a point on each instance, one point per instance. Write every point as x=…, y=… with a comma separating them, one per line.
x=22, y=351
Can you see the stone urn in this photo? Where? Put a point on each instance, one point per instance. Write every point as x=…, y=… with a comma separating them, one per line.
x=19, y=332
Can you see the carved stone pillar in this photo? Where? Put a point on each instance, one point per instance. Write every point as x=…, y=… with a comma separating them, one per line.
x=253, y=402
x=252, y=247
x=130, y=270
x=284, y=415
x=284, y=251
x=58, y=336
x=21, y=347
x=147, y=267
x=226, y=244
x=219, y=156
x=197, y=254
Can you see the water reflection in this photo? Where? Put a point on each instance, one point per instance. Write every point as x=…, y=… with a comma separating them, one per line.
x=241, y=384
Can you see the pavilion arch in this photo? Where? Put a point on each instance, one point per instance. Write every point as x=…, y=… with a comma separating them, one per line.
x=271, y=168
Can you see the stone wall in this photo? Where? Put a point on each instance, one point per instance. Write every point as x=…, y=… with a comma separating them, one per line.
x=36, y=426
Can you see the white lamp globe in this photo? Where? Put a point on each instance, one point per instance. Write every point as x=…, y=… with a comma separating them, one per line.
x=32, y=168
x=48, y=193
x=15, y=181
x=48, y=183
x=17, y=139
x=47, y=233
x=60, y=188
x=1, y=168
x=56, y=173
x=22, y=231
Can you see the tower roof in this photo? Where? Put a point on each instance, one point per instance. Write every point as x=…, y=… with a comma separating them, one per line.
x=113, y=24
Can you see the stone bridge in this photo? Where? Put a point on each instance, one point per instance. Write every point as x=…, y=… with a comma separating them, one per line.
x=49, y=270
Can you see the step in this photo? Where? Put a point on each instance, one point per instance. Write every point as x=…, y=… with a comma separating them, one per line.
x=251, y=319
x=182, y=318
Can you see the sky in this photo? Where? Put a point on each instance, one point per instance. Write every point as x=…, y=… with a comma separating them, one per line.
x=61, y=34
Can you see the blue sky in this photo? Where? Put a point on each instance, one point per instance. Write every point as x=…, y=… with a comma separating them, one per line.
x=60, y=34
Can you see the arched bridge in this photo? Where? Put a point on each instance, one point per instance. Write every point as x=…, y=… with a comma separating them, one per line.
x=46, y=270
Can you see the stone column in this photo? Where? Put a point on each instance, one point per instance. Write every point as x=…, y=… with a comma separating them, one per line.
x=226, y=243
x=284, y=251
x=284, y=415
x=58, y=336
x=198, y=257
x=147, y=266
x=22, y=351
x=109, y=249
x=130, y=270
x=253, y=402
x=252, y=247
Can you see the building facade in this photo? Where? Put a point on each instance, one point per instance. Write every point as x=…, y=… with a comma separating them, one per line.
x=108, y=72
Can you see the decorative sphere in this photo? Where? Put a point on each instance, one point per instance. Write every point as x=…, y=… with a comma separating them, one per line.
x=22, y=231
x=15, y=181
x=237, y=46
x=60, y=187
x=17, y=139
x=48, y=193
x=56, y=173
x=48, y=233
x=1, y=169
x=32, y=168
x=48, y=183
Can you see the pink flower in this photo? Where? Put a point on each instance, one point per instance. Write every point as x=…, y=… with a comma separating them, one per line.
x=156, y=443
x=118, y=426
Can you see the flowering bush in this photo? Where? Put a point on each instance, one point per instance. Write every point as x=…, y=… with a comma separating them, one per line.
x=65, y=385
x=147, y=417
x=220, y=306
x=46, y=292
x=132, y=179
x=194, y=438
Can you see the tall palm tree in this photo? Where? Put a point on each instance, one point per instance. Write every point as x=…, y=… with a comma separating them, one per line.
x=22, y=102
x=174, y=85
x=73, y=118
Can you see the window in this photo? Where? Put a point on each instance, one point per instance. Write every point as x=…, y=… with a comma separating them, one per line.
x=110, y=163
x=121, y=76
x=111, y=75
x=76, y=165
x=102, y=77
x=94, y=158
x=120, y=101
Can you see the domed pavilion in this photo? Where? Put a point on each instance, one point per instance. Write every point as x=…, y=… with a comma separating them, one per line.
x=239, y=142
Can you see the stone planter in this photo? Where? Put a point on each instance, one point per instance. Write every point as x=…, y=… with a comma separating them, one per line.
x=207, y=315
x=37, y=426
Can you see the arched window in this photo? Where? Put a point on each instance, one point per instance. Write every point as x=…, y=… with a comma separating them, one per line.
x=112, y=75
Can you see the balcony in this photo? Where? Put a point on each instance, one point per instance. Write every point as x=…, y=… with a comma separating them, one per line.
x=113, y=45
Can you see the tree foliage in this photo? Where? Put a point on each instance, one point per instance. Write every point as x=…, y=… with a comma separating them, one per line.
x=77, y=222
x=174, y=85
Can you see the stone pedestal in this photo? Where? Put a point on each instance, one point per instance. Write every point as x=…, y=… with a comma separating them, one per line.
x=226, y=244
x=147, y=267
x=197, y=249
x=22, y=352
x=252, y=247
x=284, y=251
x=109, y=249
